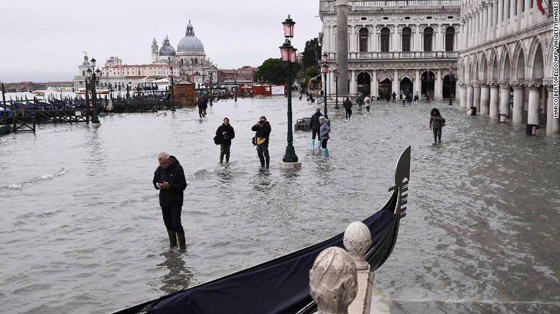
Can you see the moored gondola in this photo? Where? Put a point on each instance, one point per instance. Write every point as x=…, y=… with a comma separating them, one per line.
x=282, y=285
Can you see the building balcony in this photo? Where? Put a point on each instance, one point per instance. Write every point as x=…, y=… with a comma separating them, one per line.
x=398, y=55
x=367, y=4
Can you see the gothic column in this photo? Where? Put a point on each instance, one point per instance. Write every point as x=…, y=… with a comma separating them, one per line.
x=484, y=98
x=519, y=14
x=484, y=23
x=517, y=102
x=342, y=8
x=463, y=94
x=512, y=10
x=506, y=19
x=527, y=13
x=494, y=90
x=490, y=21
x=504, y=98
x=495, y=19
x=476, y=97
x=552, y=124
x=470, y=94
x=534, y=98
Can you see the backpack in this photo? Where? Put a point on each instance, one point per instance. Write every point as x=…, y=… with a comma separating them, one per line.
x=217, y=140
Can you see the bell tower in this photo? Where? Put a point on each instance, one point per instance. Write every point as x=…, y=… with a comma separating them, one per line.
x=155, y=56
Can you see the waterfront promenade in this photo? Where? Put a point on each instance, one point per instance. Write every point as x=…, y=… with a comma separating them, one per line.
x=82, y=221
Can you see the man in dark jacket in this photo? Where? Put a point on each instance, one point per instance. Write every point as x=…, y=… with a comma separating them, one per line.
x=169, y=179
x=202, y=105
x=225, y=133
x=348, y=106
x=315, y=126
x=263, y=130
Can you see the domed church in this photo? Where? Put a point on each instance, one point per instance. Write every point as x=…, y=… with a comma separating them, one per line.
x=189, y=58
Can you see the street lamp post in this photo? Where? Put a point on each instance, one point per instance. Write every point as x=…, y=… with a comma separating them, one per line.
x=325, y=71
x=211, y=89
x=235, y=86
x=171, y=89
x=92, y=76
x=288, y=53
x=336, y=88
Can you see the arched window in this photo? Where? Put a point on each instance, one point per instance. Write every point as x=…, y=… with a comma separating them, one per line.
x=406, y=34
x=385, y=34
x=428, y=34
x=364, y=34
x=449, y=38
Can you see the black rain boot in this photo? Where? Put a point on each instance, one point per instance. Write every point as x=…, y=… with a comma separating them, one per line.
x=227, y=158
x=172, y=239
x=182, y=244
x=221, y=157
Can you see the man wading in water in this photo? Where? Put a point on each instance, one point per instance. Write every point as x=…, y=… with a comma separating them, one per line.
x=169, y=179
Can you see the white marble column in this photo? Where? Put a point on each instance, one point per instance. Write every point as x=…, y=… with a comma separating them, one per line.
x=527, y=14
x=439, y=39
x=519, y=14
x=417, y=46
x=484, y=99
x=552, y=124
x=464, y=32
x=417, y=85
x=517, y=102
x=396, y=83
x=534, y=97
x=504, y=98
x=512, y=10
x=373, y=84
x=507, y=30
x=463, y=94
x=353, y=84
x=490, y=29
x=495, y=19
x=494, y=99
x=373, y=40
x=470, y=94
x=476, y=97
x=352, y=36
x=439, y=86
x=484, y=23
x=500, y=16
x=395, y=39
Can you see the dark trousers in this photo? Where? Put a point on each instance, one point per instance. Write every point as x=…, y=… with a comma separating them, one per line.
x=348, y=113
x=172, y=218
x=262, y=151
x=324, y=143
x=367, y=108
x=315, y=132
x=202, y=112
x=224, y=150
x=437, y=134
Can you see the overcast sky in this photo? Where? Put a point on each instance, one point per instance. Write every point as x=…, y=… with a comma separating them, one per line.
x=43, y=40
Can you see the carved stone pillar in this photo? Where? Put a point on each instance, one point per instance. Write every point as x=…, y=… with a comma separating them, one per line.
x=534, y=97
x=463, y=95
x=552, y=123
x=470, y=94
x=417, y=85
x=476, y=97
x=396, y=83
x=353, y=83
x=333, y=281
x=357, y=241
x=517, y=102
x=484, y=99
x=494, y=99
x=504, y=97
x=373, y=84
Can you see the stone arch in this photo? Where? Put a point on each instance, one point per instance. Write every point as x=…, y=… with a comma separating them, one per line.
x=483, y=67
x=505, y=65
x=493, y=68
x=474, y=69
x=519, y=63
x=535, y=62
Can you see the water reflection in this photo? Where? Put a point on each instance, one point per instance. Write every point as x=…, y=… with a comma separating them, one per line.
x=179, y=275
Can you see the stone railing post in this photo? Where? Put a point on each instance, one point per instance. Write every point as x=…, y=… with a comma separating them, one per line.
x=357, y=241
x=332, y=281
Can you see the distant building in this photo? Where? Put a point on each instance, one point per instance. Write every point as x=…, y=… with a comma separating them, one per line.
x=189, y=61
x=243, y=74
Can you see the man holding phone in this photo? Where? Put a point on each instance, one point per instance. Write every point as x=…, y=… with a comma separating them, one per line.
x=263, y=130
x=169, y=179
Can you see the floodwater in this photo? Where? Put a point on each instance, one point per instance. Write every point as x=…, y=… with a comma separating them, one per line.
x=81, y=228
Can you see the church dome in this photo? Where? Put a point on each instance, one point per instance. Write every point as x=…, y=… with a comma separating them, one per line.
x=190, y=42
x=166, y=49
